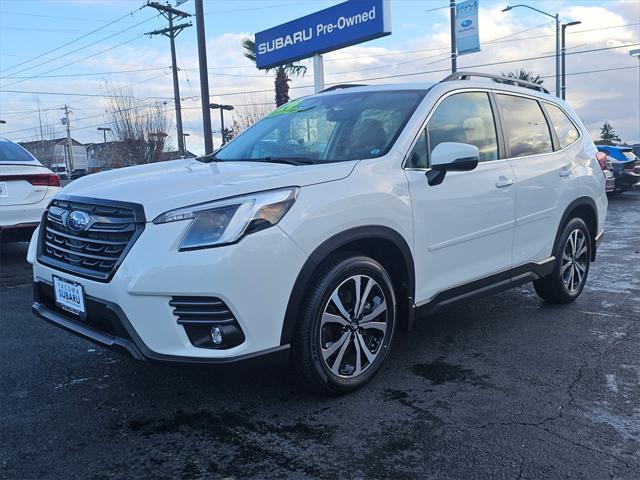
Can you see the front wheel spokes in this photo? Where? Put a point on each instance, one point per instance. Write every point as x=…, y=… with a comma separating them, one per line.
x=368, y=353
x=379, y=310
x=335, y=298
x=382, y=326
x=326, y=353
x=578, y=274
x=338, y=361
x=363, y=300
x=331, y=318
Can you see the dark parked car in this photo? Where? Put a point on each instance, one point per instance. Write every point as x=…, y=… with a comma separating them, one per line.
x=625, y=166
x=78, y=173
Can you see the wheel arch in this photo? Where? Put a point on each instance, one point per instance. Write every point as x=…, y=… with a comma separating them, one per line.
x=585, y=208
x=384, y=245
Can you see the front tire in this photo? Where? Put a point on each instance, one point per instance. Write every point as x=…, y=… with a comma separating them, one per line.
x=573, y=257
x=346, y=326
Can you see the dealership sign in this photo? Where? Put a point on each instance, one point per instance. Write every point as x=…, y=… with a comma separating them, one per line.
x=467, y=33
x=335, y=27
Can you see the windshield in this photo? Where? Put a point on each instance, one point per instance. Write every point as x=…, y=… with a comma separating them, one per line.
x=12, y=153
x=327, y=128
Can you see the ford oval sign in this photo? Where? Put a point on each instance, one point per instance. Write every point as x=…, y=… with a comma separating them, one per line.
x=78, y=220
x=466, y=23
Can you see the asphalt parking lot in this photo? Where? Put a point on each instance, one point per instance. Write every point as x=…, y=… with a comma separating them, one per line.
x=504, y=387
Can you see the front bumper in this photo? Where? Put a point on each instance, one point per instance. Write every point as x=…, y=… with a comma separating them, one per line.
x=108, y=326
x=254, y=278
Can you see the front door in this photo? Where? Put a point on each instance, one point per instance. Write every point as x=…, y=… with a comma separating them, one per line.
x=463, y=228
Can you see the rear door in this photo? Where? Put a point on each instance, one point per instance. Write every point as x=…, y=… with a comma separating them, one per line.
x=463, y=228
x=540, y=172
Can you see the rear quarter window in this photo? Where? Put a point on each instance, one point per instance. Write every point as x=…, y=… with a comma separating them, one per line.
x=566, y=130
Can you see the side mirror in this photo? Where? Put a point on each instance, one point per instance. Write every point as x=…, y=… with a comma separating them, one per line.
x=451, y=156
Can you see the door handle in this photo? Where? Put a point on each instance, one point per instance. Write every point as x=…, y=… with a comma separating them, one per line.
x=504, y=182
x=566, y=170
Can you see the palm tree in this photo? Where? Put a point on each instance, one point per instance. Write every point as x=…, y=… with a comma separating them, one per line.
x=522, y=74
x=283, y=72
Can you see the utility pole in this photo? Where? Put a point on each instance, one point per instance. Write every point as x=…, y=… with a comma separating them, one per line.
x=204, y=79
x=454, y=51
x=172, y=32
x=67, y=122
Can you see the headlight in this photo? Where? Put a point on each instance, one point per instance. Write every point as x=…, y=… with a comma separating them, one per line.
x=226, y=221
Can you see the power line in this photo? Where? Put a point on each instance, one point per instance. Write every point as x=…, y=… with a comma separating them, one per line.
x=74, y=62
x=72, y=41
x=3, y=90
x=271, y=103
x=95, y=74
x=23, y=14
x=77, y=50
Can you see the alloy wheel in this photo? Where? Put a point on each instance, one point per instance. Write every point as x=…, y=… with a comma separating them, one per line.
x=575, y=259
x=354, y=326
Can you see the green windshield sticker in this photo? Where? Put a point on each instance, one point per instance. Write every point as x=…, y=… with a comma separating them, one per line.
x=291, y=107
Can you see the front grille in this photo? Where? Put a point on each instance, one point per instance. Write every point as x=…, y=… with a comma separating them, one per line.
x=201, y=310
x=96, y=251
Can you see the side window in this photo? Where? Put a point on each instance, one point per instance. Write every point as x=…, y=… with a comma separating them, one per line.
x=418, y=157
x=525, y=128
x=566, y=131
x=465, y=118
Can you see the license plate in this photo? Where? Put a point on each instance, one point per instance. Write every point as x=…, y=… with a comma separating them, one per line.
x=3, y=190
x=69, y=295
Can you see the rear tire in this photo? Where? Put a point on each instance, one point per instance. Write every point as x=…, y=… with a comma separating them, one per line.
x=346, y=325
x=573, y=256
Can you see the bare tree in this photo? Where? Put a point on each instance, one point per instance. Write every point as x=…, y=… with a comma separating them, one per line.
x=44, y=148
x=251, y=110
x=138, y=128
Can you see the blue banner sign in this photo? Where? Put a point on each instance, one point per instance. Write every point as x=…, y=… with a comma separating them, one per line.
x=335, y=27
x=467, y=32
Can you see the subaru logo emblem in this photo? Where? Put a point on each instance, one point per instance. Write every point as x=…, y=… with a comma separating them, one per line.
x=78, y=220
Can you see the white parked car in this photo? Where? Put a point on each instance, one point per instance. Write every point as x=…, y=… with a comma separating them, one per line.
x=326, y=227
x=26, y=188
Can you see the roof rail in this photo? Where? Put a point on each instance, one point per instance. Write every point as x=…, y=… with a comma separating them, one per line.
x=495, y=78
x=341, y=86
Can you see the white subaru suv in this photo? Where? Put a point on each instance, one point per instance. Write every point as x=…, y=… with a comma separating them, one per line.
x=326, y=227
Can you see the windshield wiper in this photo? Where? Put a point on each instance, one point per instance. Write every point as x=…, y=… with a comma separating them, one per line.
x=209, y=158
x=285, y=160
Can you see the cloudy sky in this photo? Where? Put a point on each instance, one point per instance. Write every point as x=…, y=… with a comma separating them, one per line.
x=49, y=57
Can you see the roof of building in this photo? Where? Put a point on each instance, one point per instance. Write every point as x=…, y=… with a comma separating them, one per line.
x=57, y=141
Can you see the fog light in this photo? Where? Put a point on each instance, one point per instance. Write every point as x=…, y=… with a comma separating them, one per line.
x=216, y=335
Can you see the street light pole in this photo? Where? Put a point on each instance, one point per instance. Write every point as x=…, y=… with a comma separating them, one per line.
x=563, y=88
x=454, y=51
x=636, y=53
x=556, y=17
x=104, y=132
x=222, y=109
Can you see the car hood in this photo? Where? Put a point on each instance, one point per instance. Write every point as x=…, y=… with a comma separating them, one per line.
x=160, y=187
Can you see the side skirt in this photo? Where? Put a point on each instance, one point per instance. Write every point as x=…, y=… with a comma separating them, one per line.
x=486, y=286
